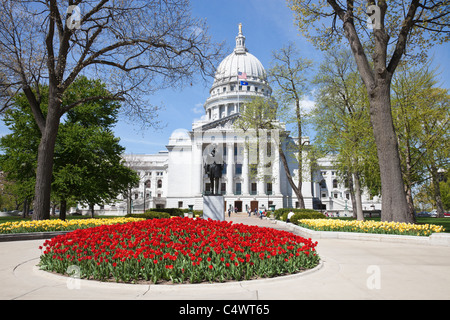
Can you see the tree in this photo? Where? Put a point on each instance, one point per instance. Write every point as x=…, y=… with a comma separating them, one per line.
x=87, y=161
x=421, y=117
x=445, y=192
x=288, y=73
x=394, y=30
x=258, y=117
x=437, y=146
x=139, y=46
x=342, y=121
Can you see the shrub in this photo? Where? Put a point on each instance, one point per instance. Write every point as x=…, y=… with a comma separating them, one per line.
x=149, y=215
x=306, y=215
x=174, y=212
x=281, y=214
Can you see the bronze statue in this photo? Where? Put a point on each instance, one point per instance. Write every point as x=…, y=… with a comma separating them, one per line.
x=213, y=168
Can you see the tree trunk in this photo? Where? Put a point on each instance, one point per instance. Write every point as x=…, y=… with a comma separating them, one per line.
x=297, y=189
x=26, y=208
x=91, y=206
x=351, y=190
x=45, y=165
x=358, y=201
x=437, y=192
x=63, y=210
x=394, y=206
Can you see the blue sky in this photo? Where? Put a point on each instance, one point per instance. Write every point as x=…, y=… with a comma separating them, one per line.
x=267, y=26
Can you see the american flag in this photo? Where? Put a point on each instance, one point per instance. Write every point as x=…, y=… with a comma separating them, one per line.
x=242, y=75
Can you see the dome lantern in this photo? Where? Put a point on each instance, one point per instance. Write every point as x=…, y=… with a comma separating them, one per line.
x=240, y=42
x=239, y=78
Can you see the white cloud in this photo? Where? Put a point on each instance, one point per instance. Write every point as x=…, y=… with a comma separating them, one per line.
x=307, y=104
x=142, y=141
x=198, y=108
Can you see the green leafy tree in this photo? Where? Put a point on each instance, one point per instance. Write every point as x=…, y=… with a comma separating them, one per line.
x=287, y=72
x=379, y=34
x=138, y=47
x=257, y=117
x=87, y=160
x=342, y=121
x=421, y=117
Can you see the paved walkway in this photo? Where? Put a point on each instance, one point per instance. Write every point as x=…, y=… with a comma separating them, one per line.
x=349, y=269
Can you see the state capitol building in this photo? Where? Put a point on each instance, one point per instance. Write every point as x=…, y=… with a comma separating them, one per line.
x=176, y=178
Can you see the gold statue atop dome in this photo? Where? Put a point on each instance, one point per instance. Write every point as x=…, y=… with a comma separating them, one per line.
x=240, y=27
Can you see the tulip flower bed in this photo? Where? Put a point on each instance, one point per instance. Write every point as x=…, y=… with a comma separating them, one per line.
x=58, y=225
x=380, y=227
x=178, y=250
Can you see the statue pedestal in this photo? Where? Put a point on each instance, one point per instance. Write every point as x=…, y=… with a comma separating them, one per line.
x=213, y=207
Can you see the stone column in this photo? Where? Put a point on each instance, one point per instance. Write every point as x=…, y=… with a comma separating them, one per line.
x=197, y=174
x=245, y=172
x=261, y=168
x=276, y=174
x=230, y=167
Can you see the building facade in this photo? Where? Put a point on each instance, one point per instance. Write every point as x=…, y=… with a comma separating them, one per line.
x=253, y=176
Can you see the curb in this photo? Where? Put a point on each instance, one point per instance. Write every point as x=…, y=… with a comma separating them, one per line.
x=172, y=286
x=30, y=236
x=435, y=239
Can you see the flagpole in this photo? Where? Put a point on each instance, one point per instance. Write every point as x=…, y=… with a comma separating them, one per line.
x=237, y=77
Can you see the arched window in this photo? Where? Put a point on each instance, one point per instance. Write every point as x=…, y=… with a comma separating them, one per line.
x=147, y=184
x=335, y=183
x=159, y=183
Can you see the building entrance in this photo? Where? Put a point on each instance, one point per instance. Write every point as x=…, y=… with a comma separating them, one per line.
x=253, y=205
x=238, y=205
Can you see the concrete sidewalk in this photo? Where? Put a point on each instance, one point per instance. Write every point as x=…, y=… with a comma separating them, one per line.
x=349, y=269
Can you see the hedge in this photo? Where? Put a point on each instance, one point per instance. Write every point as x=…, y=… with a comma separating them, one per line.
x=281, y=214
x=176, y=212
x=149, y=215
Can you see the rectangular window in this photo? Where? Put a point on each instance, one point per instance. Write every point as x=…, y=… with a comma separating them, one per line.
x=238, y=168
x=180, y=204
x=254, y=188
x=238, y=188
x=269, y=188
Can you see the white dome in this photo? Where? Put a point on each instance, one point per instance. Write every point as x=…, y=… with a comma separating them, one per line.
x=230, y=92
x=179, y=136
x=242, y=62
